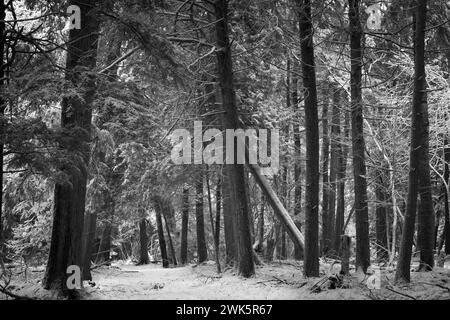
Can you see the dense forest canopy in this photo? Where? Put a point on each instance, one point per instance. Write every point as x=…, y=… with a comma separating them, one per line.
x=355, y=94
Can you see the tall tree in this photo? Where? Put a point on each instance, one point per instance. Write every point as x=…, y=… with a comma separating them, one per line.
x=76, y=114
x=419, y=176
x=311, y=250
x=358, y=143
x=2, y=112
x=326, y=240
x=236, y=172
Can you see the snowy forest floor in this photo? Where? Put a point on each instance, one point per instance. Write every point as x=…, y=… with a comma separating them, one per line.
x=277, y=280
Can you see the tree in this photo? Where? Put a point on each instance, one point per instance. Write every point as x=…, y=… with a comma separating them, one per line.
x=419, y=175
x=202, y=252
x=311, y=264
x=358, y=143
x=76, y=114
x=184, y=226
x=235, y=173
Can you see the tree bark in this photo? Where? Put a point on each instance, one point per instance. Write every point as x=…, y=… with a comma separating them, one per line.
x=2, y=111
x=202, y=253
x=69, y=196
x=236, y=172
x=311, y=263
x=171, y=246
x=143, y=243
x=419, y=146
x=358, y=143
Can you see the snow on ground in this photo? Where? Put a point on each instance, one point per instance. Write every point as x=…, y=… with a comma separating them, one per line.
x=273, y=281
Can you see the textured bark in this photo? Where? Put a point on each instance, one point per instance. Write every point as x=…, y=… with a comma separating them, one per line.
x=228, y=212
x=236, y=173
x=311, y=262
x=76, y=113
x=184, y=226
x=419, y=133
x=218, y=209
x=358, y=143
x=2, y=111
x=143, y=243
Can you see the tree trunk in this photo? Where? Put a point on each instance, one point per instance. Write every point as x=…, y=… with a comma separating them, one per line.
x=340, y=208
x=381, y=225
x=171, y=246
x=184, y=226
x=2, y=112
x=358, y=144
x=236, y=172
x=228, y=221
x=446, y=196
x=143, y=243
x=335, y=153
x=70, y=196
x=159, y=226
x=89, y=235
x=218, y=209
x=419, y=146
x=202, y=253
x=311, y=249
x=326, y=239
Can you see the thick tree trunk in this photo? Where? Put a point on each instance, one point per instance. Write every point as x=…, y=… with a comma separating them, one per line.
x=69, y=197
x=2, y=111
x=228, y=221
x=359, y=161
x=326, y=236
x=419, y=146
x=184, y=226
x=311, y=262
x=236, y=172
x=143, y=243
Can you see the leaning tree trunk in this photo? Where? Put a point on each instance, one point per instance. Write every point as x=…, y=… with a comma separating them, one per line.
x=184, y=226
x=235, y=172
x=76, y=114
x=419, y=148
x=311, y=250
x=358, y=144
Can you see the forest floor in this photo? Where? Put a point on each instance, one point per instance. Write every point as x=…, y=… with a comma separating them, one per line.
x=277, y=280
